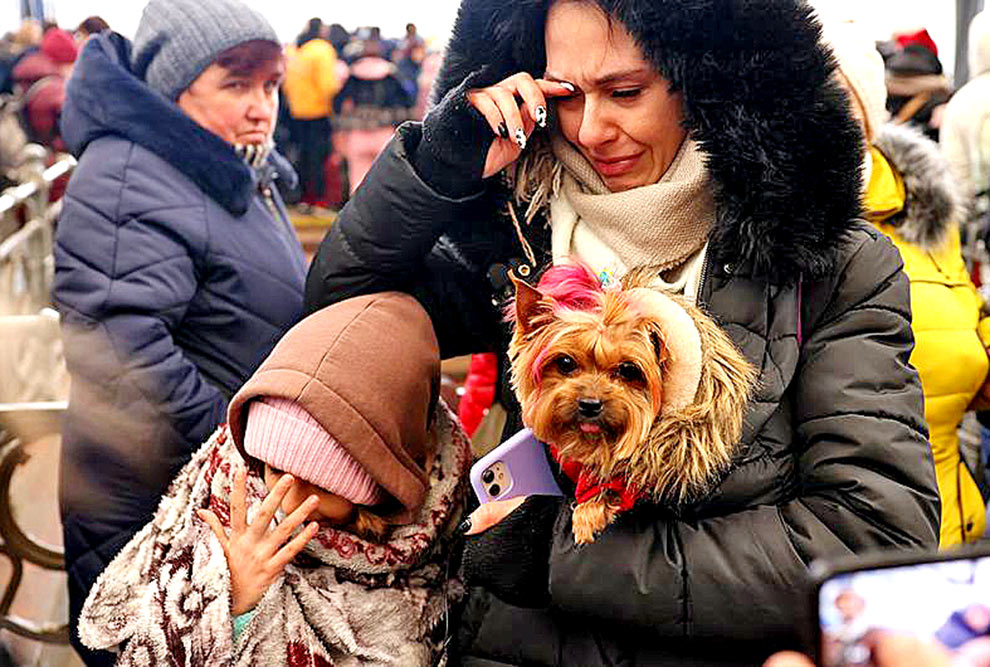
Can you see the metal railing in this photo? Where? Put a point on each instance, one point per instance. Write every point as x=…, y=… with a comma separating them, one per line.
x=33, y=379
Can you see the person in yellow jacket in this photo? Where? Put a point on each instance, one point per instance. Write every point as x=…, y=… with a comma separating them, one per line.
x=311, y=82
x=911, y=197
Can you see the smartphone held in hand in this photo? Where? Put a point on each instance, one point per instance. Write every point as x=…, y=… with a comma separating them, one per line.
x=927, y=610
x=517, y=467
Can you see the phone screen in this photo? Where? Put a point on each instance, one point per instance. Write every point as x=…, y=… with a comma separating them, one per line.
x=935, y=613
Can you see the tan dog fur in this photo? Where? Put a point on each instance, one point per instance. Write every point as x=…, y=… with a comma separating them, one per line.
x=674, y=456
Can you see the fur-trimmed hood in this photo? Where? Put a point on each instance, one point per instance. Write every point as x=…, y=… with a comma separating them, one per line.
x=933, y=200
x=759, y=98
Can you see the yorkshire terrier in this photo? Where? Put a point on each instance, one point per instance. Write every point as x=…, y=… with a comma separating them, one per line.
x=638, y=394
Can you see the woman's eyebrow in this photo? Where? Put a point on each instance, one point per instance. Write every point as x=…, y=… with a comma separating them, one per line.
x=606, y=79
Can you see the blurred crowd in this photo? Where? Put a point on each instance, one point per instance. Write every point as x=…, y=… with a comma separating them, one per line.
x=343, y=95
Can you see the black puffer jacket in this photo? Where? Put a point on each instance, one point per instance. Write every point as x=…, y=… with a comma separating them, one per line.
x=834, y=457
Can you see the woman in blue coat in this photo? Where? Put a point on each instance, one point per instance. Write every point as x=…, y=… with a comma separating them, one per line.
x=176, y=267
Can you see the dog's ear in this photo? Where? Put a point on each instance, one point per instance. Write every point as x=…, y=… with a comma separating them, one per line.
x=527, y=303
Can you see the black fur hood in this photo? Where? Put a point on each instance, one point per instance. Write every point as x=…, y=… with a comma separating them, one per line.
x=933, y=202
x=781, y=146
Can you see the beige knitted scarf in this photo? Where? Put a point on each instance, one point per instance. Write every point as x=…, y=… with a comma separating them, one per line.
x=661, y=226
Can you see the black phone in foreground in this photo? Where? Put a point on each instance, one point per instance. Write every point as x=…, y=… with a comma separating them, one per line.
x=921, y=609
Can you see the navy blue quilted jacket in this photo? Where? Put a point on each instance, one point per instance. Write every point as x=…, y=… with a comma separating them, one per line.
x=176, y=273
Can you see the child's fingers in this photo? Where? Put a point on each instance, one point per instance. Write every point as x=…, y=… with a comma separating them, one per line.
x=285, y=555
x=238, y=496
x=288, y=526
x=213, y=522
x=270, y=505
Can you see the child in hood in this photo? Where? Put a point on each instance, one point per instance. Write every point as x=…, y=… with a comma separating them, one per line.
x=339, y=433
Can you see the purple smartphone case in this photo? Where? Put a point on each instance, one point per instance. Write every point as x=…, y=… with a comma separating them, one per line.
x=526, y=460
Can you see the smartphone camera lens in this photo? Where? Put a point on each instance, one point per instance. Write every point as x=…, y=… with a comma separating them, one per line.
x=488, y=476
x=494, y=490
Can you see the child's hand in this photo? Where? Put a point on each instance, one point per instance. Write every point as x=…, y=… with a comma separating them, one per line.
x=255, y=555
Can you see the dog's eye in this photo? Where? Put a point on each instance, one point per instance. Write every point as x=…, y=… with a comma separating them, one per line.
x=565, y=364
x=629, y=372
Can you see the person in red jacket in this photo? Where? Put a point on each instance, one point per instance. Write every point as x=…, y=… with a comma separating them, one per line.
x=479, y=391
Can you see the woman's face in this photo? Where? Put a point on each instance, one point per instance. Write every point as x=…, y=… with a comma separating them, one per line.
x=332, y=509
x=622, y=117
x=238, y=108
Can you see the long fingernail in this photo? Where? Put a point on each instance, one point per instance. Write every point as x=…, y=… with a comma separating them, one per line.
x=541, y=116
x=520, y=138
x=568, y=86
x=465, y=526
x=503, y=131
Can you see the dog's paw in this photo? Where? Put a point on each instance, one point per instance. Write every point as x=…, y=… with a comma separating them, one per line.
x=589, y=519
x=583, y=534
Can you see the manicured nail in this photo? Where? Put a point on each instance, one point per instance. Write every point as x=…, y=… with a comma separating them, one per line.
x=541, y=116
x=503, y=131
x=465, y=526
x=568, y=86
x=520, y=138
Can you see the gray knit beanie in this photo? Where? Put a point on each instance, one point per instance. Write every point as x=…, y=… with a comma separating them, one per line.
x=177, y=39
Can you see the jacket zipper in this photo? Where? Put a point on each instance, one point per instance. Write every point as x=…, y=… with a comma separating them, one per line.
x=266, y=194
x=704, y=277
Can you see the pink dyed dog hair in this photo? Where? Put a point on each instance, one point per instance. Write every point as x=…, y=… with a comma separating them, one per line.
x=572, y=286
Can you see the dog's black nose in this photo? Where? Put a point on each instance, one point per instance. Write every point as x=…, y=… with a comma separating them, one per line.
x=589, y=408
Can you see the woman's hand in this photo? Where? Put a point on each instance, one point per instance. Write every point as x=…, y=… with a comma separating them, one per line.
x=256, y=555
x=511, y=121
x=508, y=545
x=488, y=514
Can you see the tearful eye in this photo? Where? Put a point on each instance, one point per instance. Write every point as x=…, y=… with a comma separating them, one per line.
x=565, y=364
x=629, y=372
x=626, y=93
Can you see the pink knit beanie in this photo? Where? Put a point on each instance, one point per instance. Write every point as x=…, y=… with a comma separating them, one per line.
x=282, y=434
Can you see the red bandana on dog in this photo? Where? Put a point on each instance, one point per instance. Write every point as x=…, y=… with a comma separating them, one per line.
x=589, y=487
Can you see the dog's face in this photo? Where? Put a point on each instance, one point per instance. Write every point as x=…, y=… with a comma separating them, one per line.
x=589, y=378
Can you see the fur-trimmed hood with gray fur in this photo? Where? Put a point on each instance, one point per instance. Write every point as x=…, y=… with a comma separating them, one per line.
x=759, y=98
x=934, y=202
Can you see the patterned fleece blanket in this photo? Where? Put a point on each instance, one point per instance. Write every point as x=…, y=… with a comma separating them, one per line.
x=165, y=598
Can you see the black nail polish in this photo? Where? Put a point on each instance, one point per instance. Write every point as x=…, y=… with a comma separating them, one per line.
x=503, y=131
x=465, y=526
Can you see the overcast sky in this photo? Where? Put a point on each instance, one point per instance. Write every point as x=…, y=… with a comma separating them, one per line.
x=434, y=17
